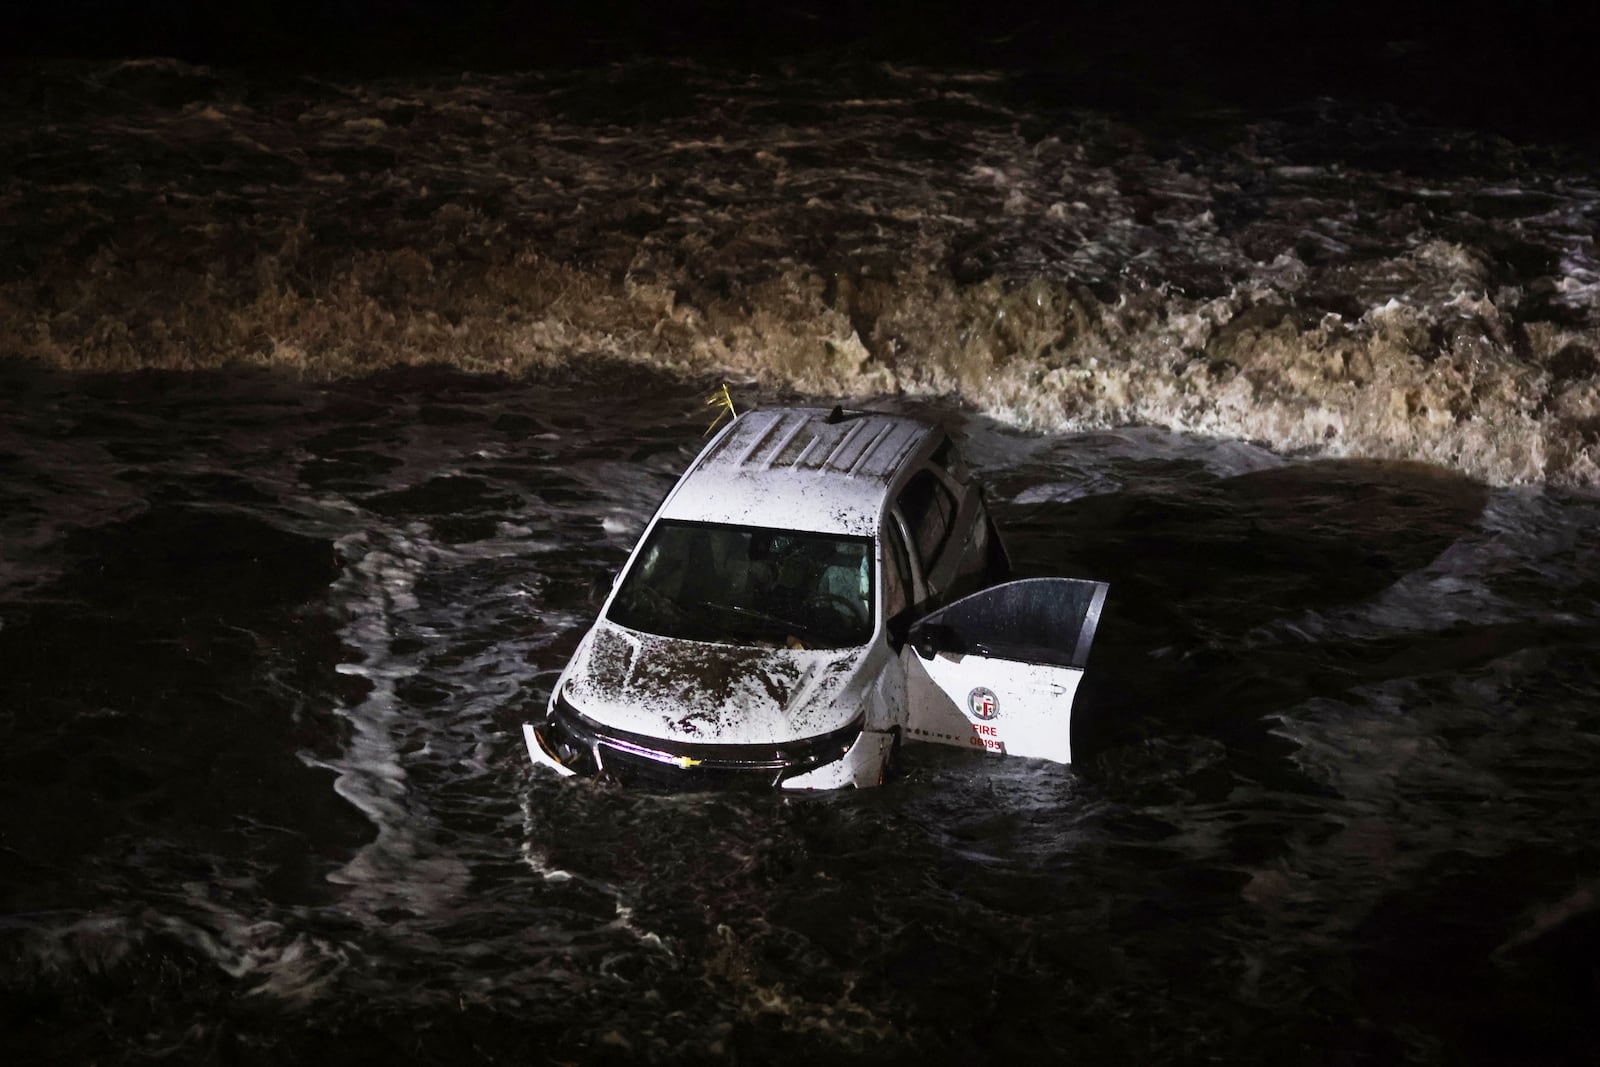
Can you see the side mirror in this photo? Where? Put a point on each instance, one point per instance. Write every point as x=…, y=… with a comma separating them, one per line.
x=929, y=639
x=896, y=627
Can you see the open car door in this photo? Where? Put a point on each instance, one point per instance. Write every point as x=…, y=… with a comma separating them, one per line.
x=997, y=670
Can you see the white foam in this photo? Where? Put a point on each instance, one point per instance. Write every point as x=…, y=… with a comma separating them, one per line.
x=402, y=866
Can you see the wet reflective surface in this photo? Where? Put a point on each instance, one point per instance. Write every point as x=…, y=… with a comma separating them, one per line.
x=266, y=650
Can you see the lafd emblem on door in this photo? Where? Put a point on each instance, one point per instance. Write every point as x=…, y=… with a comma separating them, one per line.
x=983, y=704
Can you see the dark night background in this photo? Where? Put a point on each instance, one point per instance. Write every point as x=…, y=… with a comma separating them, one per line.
x=1520, y=69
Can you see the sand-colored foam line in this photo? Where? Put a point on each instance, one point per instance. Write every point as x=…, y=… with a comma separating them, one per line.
x=1508, y=405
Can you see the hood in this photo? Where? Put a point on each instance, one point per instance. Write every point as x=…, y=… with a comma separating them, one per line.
x=690, y=691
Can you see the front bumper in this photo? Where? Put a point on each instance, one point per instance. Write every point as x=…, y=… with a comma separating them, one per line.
x=569, y=742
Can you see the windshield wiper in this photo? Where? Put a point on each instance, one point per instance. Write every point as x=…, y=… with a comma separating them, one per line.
x=784, y=628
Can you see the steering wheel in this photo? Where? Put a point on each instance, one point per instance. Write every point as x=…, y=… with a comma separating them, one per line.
x=855, y=609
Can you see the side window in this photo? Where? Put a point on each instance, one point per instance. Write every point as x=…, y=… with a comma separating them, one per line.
x=946, y=458
x=982, y=557
x=897, y=584
x=929, y=509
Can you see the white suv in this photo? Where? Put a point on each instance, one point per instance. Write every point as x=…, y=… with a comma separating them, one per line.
x=817, y=587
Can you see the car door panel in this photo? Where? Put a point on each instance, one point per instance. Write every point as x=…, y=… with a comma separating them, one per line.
x=998, y=670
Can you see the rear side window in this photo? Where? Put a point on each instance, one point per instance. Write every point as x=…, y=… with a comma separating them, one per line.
x=946, y=458
x=897, y=594
x=929, y=510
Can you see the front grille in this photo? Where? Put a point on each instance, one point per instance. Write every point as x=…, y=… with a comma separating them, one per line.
x=590, y=748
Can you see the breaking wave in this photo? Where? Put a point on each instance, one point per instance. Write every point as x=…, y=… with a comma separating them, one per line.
x=1321, y=280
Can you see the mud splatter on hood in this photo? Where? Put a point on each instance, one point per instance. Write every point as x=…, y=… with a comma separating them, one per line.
x=693, y=691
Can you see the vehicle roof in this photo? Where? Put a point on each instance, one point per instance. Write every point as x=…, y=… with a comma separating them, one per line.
x=799, y=469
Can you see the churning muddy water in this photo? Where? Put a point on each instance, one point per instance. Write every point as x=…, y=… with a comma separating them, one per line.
x=1318, y=278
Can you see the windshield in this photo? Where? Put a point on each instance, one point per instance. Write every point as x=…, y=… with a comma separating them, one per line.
x=746, y=586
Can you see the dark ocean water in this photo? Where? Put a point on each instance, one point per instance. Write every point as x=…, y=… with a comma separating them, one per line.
x=267, y=647
x=331, y=394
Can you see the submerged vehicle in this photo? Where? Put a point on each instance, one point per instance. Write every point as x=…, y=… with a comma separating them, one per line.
x=818, y=588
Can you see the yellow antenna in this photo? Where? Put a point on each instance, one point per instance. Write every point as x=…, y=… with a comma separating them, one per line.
x=721, y=400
